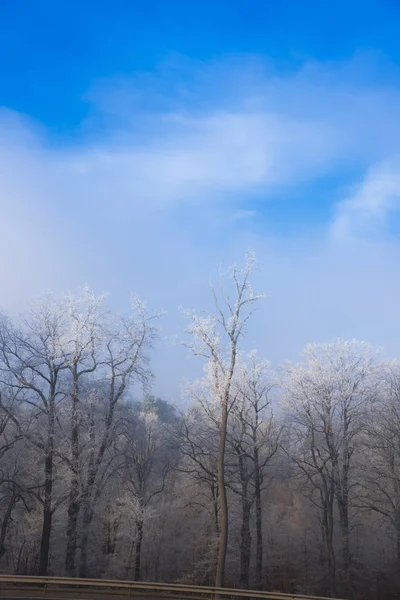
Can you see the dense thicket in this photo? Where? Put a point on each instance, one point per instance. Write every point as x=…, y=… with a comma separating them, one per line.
x=98, y=479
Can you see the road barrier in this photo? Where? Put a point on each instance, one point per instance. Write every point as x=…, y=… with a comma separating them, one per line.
x=110, y=587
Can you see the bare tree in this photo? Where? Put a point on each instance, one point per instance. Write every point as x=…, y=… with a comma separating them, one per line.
x=126, y=341
x=197, y=437
x=216, y=338
x=86, y=318
x=379, y=486
x=326, y=399
x=10, y=489
x=254, y=437
x=32, y=364
x=148, y=460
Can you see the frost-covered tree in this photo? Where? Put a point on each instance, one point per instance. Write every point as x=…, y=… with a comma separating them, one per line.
x=327, y=398
x=253, y=437
x=33, y=362
x=216, y=337
x=148, y=458
x=379, y=488
x=67, y=365
x=124, y=360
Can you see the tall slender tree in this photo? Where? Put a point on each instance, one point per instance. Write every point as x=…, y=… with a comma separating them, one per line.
x=216, y=337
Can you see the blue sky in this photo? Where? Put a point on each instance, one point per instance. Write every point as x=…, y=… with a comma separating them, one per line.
x=143, y=144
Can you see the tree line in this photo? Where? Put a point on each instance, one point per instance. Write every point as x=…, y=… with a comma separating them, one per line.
x=285, y=479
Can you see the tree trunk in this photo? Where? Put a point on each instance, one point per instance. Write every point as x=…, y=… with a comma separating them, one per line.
x=331, y=572
x=397, y=528
x=73, y=502
x=138, y=548
x=72, y=527
x=257, y=494
x=86, y=521
x=344, y=526
x=346, y=557
x=223, y=538
x=87, y=501
x=6, y=522
x=48, y=491
x=47, y=515
x=214, y=493
x=259, y=540
x=342, y=496
x=245, y=536
x=245, y=545
x=327, y=524
x=86, y=505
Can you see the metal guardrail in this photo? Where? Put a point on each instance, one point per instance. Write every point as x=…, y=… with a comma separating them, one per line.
x=133, y=588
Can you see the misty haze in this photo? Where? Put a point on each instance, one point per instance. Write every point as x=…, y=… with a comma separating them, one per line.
x=199, y=320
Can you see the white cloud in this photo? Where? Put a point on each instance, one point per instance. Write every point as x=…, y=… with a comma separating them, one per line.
x=371, y=204
x=224, y=156
x=151, y=201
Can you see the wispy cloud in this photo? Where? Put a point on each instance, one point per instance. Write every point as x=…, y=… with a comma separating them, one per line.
x=175, y=173
x=263, y=132
x=369, y=207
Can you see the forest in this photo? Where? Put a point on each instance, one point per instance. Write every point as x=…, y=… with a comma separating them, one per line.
x=284, y=478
